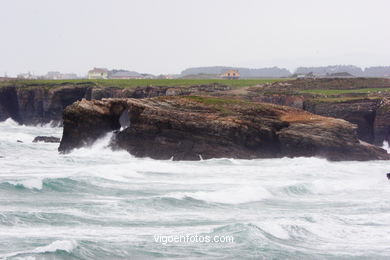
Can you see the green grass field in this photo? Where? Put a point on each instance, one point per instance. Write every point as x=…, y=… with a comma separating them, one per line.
x=341, y=99
x=130, y=83
x=344, y=91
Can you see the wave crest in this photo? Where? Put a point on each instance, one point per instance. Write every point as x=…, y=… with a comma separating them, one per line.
x=57, y=246
x=227, y=196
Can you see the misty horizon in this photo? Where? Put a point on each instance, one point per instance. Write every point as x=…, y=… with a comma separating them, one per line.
x=384, y=71
x=166, y=37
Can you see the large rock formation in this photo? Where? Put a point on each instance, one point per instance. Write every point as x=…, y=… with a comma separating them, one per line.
x=190, y=128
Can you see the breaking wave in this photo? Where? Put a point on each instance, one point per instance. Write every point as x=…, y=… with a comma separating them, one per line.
x=57, y=246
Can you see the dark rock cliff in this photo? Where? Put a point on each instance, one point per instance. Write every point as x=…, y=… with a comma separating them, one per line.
x=36, y=105
x=382, y=122
x=190, y=128
x=9, y=104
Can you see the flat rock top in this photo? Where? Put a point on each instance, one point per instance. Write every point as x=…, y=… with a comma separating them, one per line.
x=217, y=107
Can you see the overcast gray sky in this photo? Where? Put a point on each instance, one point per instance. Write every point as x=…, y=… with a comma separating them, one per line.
x=167, y=36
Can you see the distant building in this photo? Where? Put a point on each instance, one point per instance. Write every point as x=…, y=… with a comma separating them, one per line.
x=340, y=75
x=98, y=73
x=231, y=74
x=126, y=75
x=304, y=76
x=58, y=75
x=53, y=75
x=165, y=76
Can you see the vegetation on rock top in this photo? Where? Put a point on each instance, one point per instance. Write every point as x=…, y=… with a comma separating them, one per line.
x=132, y=83
x=341, y=99
x=344, y=91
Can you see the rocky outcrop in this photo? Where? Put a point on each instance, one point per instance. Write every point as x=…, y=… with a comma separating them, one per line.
x=346, y=101
x=46, y=139
x=382, y=122
x=36, y=105
x=9, y=106
x=42, y=105
x=361, y=112
x=86, y=121
x=190, y=128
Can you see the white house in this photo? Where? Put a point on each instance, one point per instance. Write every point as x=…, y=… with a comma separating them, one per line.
x=98, y=73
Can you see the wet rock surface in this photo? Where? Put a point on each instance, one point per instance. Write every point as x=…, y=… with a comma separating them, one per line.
x=46, y=139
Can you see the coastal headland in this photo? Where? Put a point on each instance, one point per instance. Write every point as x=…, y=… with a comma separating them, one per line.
x=362, y=102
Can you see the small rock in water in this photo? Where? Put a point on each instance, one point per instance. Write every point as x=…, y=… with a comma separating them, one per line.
x=19, y=141
x=46, y=139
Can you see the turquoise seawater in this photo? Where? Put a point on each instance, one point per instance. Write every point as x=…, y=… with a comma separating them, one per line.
x=98, y=204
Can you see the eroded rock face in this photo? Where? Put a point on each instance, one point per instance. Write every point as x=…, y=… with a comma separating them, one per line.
x=190, y=128
x=37, y=105
x=361, y=112
x=382, y=122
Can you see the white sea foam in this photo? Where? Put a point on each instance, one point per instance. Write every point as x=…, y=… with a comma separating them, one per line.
x=228, y=196
x=9, y=122
x=33, y=183
x=58, y=245
x=99, y=147
x=274, y=229
x=63, y=245
x=386, y=146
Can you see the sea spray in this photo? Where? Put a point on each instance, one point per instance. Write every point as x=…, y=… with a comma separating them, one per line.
x=386, y=146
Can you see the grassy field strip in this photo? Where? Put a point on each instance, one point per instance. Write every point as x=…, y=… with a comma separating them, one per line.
x=130, y=83
x=341, y=99
x=344, y=91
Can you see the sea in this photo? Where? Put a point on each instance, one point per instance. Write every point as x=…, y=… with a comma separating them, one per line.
x=95, y=203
